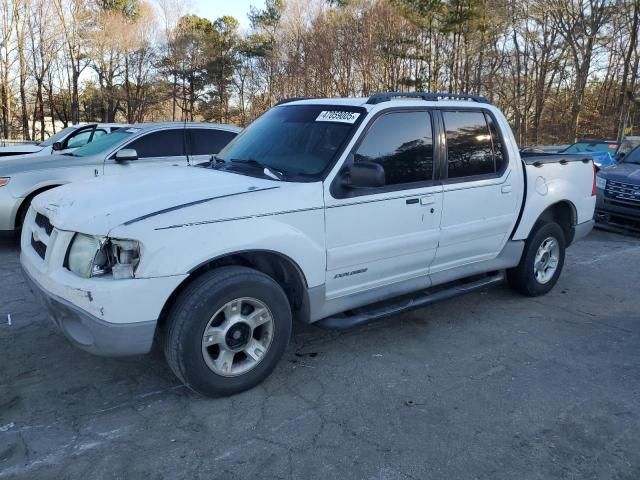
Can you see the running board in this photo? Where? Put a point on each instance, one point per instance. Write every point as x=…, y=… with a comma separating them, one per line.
x=392, y=307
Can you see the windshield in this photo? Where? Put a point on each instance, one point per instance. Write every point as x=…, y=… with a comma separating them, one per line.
x=591, y=147
x=633, y=156
x=58, y=136
x=296, y=140
x=104, y=143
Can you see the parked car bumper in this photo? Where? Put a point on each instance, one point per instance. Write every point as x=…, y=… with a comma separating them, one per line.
x=91, y=333
x=616, y=212
x=101, y=315
x=8, y=210
x=582, y=230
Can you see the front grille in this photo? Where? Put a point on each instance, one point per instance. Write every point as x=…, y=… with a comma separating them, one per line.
x=43, y=222
x=623, y=191
x=39, y=247
x=627, y=205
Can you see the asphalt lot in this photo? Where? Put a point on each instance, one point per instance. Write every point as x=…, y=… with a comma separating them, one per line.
x=487, y=386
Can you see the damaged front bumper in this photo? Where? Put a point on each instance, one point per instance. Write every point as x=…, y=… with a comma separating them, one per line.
x=91, y=333
x=103, y=316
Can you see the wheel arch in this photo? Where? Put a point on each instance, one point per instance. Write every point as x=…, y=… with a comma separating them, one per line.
x=564, y=213
x=281, y=268
x=26, y=202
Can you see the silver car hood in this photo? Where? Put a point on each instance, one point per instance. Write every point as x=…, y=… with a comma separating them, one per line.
x=10, y=166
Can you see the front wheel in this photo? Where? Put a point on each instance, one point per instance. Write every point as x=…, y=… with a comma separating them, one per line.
x=541, y=263
x=227, y=331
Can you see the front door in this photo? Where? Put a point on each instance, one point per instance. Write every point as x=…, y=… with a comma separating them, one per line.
x=376, y=237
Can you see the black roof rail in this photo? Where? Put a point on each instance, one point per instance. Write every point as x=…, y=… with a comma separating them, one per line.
x=427, y=96
x=292, y=99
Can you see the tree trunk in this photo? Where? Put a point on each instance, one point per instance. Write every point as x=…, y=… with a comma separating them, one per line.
x=623, y=100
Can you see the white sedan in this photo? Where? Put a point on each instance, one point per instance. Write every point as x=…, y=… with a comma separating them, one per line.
x=66, y=140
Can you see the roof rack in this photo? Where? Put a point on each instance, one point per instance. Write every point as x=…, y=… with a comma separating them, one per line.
x=427, y=96
x=292, y=99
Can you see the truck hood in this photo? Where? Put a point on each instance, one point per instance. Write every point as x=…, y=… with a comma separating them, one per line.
x=98, y=205
x=622, y=172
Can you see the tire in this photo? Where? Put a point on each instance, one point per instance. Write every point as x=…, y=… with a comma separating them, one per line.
x=241, y=353
x=523, y=278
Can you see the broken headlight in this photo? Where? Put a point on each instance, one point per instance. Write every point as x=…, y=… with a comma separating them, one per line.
x=90, y=256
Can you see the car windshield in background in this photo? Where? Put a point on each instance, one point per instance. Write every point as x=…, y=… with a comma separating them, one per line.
x=591, y=147
x=58, y=136
x=633, y=156
x=104, y=143
x=296, y=140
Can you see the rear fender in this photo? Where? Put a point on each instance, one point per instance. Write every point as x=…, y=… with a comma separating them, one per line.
x=556, y=184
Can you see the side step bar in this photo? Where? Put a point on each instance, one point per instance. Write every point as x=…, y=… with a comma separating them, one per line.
x=389, y=308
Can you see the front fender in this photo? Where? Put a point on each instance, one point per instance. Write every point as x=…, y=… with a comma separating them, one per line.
x=298, y=236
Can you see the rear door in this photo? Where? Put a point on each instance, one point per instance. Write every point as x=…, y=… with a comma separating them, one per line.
x=158, y=147
x=377, y=237
x=480, y=205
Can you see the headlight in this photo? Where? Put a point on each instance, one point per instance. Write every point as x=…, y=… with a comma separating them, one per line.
x=4, y=181
x=90, y=256
x=601, y=183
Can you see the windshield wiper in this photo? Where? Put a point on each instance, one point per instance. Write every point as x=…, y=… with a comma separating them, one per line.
x=215, y=161
x=268, y=171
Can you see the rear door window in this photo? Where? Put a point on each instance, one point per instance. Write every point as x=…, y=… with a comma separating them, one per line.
x=207, y=141
x=469, y=148
x=163, y=143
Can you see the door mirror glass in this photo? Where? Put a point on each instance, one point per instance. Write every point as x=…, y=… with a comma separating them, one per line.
x=126, y=155
x=57, y=146
x=365, y=175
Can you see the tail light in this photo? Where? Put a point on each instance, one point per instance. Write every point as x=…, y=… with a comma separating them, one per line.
x=593, y=188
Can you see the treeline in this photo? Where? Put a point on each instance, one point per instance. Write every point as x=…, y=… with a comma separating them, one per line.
x=559, y=69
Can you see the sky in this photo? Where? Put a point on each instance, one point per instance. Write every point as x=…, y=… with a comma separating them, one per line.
x=213, y=9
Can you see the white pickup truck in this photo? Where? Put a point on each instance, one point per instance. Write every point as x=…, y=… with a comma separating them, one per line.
x=335, y=212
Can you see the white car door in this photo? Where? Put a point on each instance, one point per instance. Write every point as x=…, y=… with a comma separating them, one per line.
x=480, y=205
x=376, y=237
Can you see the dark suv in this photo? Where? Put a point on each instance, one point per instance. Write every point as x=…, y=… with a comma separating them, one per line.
x=618, y=203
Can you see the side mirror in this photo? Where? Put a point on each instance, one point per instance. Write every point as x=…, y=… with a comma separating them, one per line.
x=126, y=155
x=365, y=175
x=57, y=146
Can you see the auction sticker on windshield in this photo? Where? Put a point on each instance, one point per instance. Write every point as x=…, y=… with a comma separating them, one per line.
x=337, y=116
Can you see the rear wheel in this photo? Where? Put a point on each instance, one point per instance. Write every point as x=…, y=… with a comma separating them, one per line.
x=227, y=331
x=541, y=262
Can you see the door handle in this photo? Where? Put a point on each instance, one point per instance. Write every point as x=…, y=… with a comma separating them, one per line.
x=428, y=200
x=507, y=189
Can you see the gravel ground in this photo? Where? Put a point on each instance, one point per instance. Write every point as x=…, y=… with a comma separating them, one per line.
x=488, y=386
